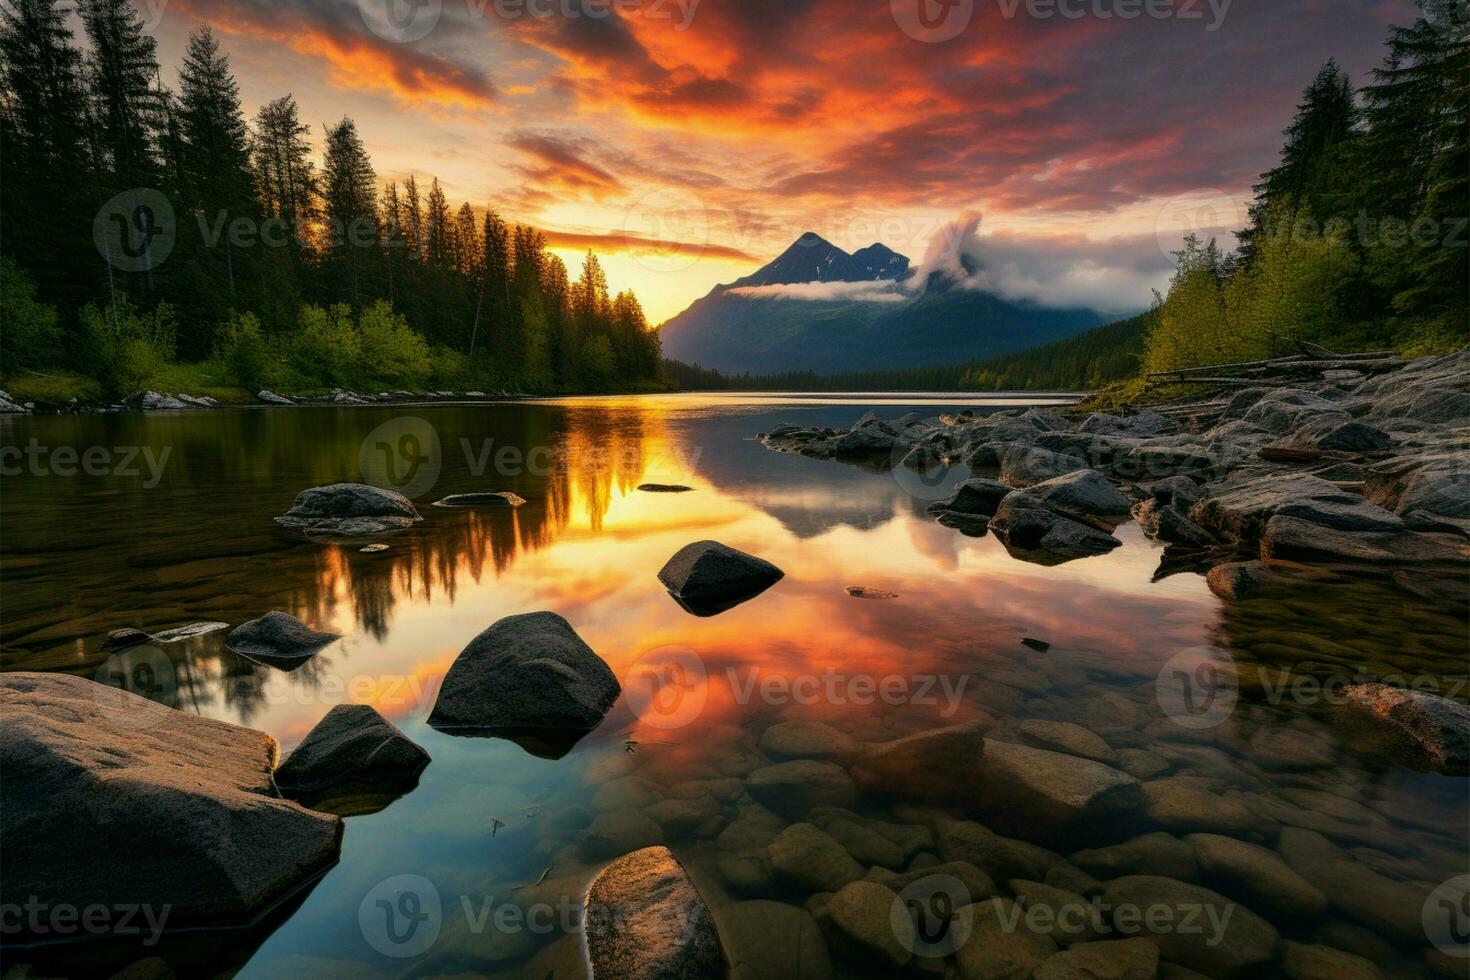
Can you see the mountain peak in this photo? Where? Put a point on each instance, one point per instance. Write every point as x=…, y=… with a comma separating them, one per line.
x=811, y=258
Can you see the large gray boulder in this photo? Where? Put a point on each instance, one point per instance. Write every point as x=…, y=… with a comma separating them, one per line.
x=708, y=577
x=1282, y=409
x=645, y=920
x=1428, y=492
x=1082, y=495
x=348, y=511
x=1024, y=466
x=1439, y=727
x=1331, y=433
x=529, y=678
x=1044, y=537
x=115, y=801
x=1239, y=509
x=354, y=761
x=278, y=637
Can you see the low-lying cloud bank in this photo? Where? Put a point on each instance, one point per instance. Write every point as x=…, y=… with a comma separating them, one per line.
x=1053, y=271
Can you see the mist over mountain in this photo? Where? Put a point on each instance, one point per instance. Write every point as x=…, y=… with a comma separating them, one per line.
x=819, y=308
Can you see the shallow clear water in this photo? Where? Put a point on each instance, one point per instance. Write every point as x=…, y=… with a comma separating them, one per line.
x=188, y=535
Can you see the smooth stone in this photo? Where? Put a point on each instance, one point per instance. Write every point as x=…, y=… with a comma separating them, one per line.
x=1113, y=959
x=708, y=570
x=1064, y=736
x=870, y=841
x=1024, y=466
x=1185, y=803
x=664, y=488
x=1389, y=908
x=999, y=950
x=618, y=832
x=975, y=498
x=806, y=740
x=1037, y=794
x=930, y=766
x=968, y=842
x=747, y=873
x=1230, y=941
x=1288, y=539
x=192, y=820
x=1437, y=726
x=277, y=636
x=1064, y=915
x=977, y=883
x=811, y=860
x=1256, y=876
x=645, y=920
x=767, y=940
x=1237, y=580
x=1142, y=763
x=498, y=499
x=1156, y=854
x=792, y=788
x=1303, y=962
x=1082, y=495
x=1167, y=523
x=862, y=914
x=349, y=753
x=125, y=638
x=1240, y=509
x=350, y=510
x=530, y=676
x=681, y=816
x=1044, y=537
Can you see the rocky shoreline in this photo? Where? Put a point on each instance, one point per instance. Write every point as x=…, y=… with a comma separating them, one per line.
x=156, y=401
x=1359, y=473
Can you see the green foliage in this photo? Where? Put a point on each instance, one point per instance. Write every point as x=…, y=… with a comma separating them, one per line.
x=597, y=363
x=125, y=346
x=245, y=352
x=28, y=334
x=389, y=350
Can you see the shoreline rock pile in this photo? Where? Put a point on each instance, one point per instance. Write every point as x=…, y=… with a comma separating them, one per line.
x=1365, y=473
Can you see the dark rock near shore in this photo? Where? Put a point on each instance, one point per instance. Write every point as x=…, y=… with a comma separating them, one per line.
x=1437, y=726
x=349, y=510
x=354, y=761
x=1024, y=466
x=531, y=679
x=1239, y=509
x=1046, y=538
x=708, y=577
x=276, y=637
x=192, y=821
x=1292, y=539
x=664, y=488
x=977, y=498
x=1085, y=496
x=645, y=920
x=122, y=639
x=504, y=498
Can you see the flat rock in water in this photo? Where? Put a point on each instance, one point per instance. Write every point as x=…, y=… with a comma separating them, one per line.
x=193, y=823
x=1044, y=537
x=664, y=488
x=349, y=510
x=504, y=498
x=708, y=577
x=351, y=761
x=1227, y=940
x=934, y=766
x=1437, y=726
x=529, y=678
x=277, y=636
x=862, y=914
x=792, y=788
x=645, y=920
x=1082, y=495
x=977, y=497
x=863, y=592
x=122, y=639
x=1240, y=509
x=1024, y=466
x=1040, y=646
x=1038, y=794
x=768, y=940
x=1292, y=539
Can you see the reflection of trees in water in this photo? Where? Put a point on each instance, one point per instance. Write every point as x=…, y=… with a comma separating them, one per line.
x=85, y=555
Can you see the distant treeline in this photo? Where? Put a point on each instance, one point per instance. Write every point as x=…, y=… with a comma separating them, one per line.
x=145, y=226
x=1089, y=360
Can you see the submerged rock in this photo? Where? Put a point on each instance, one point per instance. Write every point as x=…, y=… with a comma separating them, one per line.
x=354, y=761
x=1256, y=876
x=708, y=577
x=1438, y=726
x=503, y=498
x=809, y=859
x=934, y=766
x=1038, y=794
x=768, y=940
x=645, y=920
x=349, y=510
x=792, y=788
x=664, y=488
x=862, y=915
x=1044, y=537
x=277, y=637
x=1224, y=940
x=124, y=638
x=192, y=823
x=529, y=678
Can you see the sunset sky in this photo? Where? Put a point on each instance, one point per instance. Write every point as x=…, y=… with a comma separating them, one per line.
x=722, y=129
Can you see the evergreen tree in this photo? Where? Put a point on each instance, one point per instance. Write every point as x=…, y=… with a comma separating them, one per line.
x=285, y=177
x=121, y=71
x=350, y=210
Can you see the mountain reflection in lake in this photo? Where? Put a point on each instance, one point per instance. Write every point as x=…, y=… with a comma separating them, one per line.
x=491, y=826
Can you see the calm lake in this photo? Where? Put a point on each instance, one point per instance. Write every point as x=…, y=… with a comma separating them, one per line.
x=172, y=523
